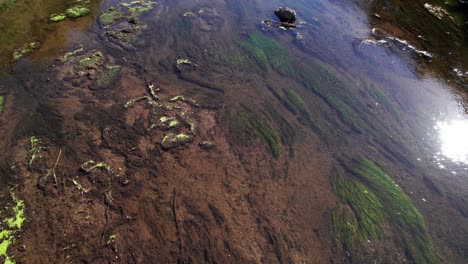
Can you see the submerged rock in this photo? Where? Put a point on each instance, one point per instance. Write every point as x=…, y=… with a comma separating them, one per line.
x=25, y=50
x=286, y=15
x=171, y=140
x=57, y=17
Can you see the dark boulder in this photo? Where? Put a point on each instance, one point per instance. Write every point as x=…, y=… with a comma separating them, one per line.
x=286, y=15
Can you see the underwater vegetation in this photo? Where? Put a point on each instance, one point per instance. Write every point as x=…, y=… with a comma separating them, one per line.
x=267, y=52
x=245, y=126
x=376, y=200
x=35, y=151
x=12, y=222
x=4, y=4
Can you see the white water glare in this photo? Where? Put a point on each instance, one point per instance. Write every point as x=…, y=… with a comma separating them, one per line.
x=454, y=139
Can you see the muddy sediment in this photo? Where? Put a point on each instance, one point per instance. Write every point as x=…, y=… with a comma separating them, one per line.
x=190, y=135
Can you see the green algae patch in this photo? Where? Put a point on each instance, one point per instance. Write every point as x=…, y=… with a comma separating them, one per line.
x=11, y=225
x=57, y=17
x=296, y=100
x=109, y=17
x=77, y=11
x=2, y=102
x=110, y=75
x=246, y=126
x=376, y=200
x=267, y=52
x=67, y=55
x=25, y=50
x=35, y=149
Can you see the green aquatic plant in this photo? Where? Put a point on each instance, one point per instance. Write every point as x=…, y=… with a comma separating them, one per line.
x=247, y=126
x=77, y=11
x=267, y=52
x=25, y=50
x=399, y=210
x=4, y=4
x=345, y=228
x=36, y=148
x=365, y=204
x=375, y=201
x=296, y=100
x=110, y=75
x=10, y=226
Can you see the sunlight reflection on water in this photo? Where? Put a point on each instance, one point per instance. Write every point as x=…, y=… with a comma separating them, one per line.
x=453, y=136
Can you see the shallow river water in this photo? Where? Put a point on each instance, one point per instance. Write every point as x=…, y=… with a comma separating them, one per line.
x=194, y=131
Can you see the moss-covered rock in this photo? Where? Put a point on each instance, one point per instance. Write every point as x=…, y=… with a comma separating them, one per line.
x=172, y=140
x=109, y=17
x=25, y=50
x=110, y=75
x=77, y=11
x=57, y=17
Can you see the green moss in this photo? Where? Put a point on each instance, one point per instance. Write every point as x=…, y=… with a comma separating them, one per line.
x=246, y=126
x=11, y=225
x=267, y=52
x=57, y=17
x=25, y=50
x=399, y=210
x=109, y=76
x=77, y=11
x=2, y=101
x=35, y=151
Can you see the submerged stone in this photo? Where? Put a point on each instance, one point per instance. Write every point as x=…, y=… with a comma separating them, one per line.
x=109, y=76
x=286, y=15
x=207, y=145
x=77, y=11
x=57, y=17
x=171, y=140
x=110, y=16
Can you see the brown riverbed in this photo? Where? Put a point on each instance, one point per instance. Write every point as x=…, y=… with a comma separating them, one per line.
x=175, y=134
